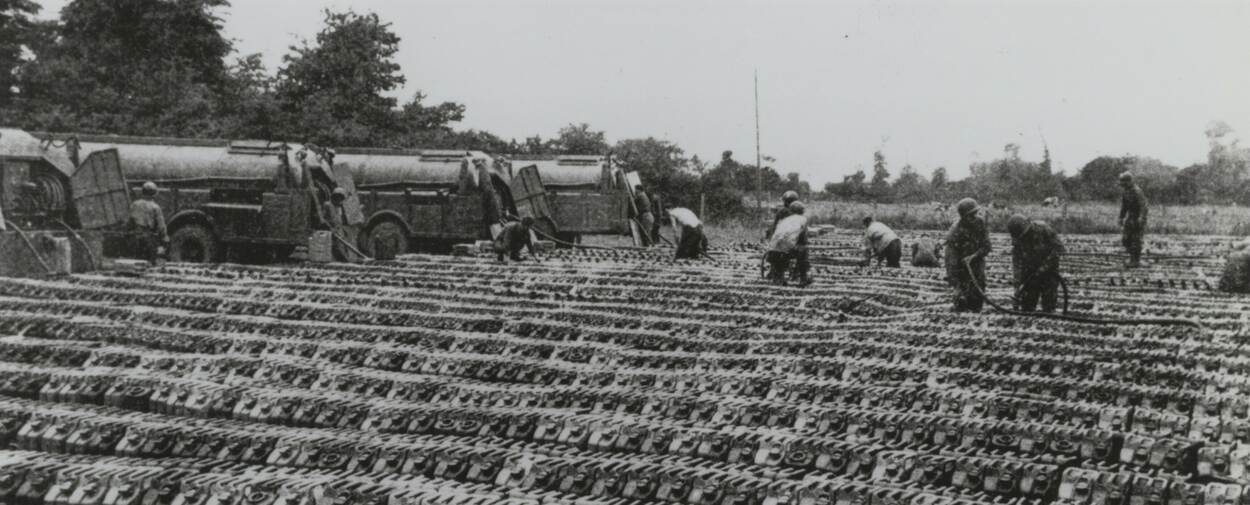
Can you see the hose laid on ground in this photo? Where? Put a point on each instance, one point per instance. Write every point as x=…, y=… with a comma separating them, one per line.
x=584, y=246
x=1147, y=256
x=95, y=262
x=31, y=245
x=1062, y=283
x=1079, y=319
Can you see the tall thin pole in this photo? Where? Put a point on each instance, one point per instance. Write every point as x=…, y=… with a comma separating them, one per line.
x=759, y=167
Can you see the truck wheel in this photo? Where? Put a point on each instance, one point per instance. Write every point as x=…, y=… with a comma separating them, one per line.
x=384, y=241
x=192, y=243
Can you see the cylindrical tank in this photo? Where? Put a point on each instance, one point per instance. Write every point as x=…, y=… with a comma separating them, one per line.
x=157, y=159
x=154, y=158
x=425, y=168
x=565, y=172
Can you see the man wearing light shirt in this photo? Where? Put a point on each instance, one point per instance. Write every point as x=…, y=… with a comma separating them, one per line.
x=881, y=243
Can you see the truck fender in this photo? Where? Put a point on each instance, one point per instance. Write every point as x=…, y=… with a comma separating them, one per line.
x=386, y=215
x=190, y=216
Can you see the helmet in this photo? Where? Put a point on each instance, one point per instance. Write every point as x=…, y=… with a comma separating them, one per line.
x=338, y=194
x=149, y=188
x=867, y=220
x=789, y=197
x=1126, y=177
x=527, y=221
x=966, y=206
x=1017, y=226
x=796, y=207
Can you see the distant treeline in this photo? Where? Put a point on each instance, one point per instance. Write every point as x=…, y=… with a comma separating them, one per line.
x=1223, y=179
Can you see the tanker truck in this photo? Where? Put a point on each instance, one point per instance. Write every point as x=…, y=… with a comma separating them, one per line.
x=587, y=194
x=423, y=199
x=256, y=199
x=219, y=194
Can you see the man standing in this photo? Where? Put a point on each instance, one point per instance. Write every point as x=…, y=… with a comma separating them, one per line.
x=335, y=217
x=925, y=253
x=1035, y=252
x=881, y=244
x=967, y=242
x=147, y=225
x=1133, y=210
x=783, y=212
x=692, y=244
x=515, y=236
x=646, y=220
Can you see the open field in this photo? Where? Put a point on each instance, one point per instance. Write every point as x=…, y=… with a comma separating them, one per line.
x=1073, y=218
x=620, y=377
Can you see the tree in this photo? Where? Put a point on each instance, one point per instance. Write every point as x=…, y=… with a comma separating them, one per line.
x=1099, y=179
x=15, y=29
x=1011, y=179
x=151, y=67
x=580, y=139
x=851, y=187
x=939, y=179
x=333, y=90
x=417, y=117
x=910, y=186
x=248, y=107
x=1011, y=151
x=697, y=165
x=880, y=177
x=662, y=167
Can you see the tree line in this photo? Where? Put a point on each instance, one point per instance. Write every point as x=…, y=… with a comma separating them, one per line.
x=165, y=68
x=1224, y=178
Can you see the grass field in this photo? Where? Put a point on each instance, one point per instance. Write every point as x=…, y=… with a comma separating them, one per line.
x=1083, y=218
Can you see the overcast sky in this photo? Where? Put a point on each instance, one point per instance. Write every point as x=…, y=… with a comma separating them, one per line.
x=933, y=83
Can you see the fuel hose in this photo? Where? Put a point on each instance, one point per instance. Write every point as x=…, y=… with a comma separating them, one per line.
x=1079, y=319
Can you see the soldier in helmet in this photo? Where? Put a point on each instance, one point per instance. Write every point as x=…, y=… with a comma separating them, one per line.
x=147, y=225
x=967, y=242
x=925, y=253
x=881, y=244
x=335, y=218
x=1133, y=210
x=515, y=236
x=1035, y=252
x=646, y=219
x=785, y=251
x=692, y=244
x=782, y=212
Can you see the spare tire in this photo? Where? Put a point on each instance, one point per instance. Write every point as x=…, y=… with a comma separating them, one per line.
x=193, y=243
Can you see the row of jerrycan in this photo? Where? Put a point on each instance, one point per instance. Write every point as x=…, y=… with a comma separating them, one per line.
x=1103, y=440
x=973, y=470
